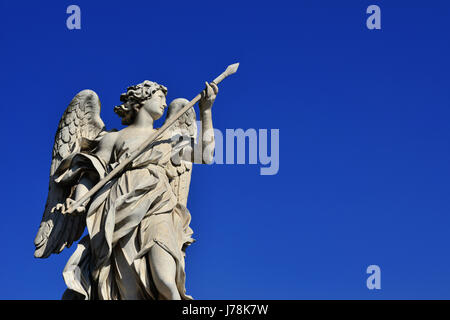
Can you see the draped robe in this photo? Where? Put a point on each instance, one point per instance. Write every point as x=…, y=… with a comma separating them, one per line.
x=133, y=212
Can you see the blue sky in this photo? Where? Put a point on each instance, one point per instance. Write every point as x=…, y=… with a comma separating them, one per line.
x=364, y=138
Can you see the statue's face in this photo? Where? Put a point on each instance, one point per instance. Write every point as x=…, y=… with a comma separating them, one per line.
x=155, y=105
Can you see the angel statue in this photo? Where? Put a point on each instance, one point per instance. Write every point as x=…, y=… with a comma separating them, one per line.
x=137, y=223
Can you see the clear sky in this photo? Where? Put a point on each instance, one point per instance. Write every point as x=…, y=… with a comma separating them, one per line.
x=364, y=137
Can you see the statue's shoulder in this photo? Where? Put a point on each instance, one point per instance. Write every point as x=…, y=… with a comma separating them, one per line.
x=107, y=139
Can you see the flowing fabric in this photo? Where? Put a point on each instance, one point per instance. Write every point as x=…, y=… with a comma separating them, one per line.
x=133, y=212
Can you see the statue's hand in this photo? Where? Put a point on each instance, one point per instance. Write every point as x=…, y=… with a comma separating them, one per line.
x=66, y=208
x=208, y=96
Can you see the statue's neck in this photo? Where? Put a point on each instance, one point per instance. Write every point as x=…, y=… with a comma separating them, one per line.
x=143, y=120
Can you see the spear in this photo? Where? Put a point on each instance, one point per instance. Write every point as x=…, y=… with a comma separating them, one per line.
x=229, y=71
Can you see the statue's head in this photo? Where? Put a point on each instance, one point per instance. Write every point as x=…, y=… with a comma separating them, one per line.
x=148, y=95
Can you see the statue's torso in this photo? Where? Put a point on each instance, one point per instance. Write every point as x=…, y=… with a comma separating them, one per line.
x=130, y=139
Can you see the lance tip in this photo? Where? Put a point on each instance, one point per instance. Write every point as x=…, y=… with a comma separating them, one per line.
x=233, y=67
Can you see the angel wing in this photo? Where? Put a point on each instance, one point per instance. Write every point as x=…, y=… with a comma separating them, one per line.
x=78, y=127
x=185, y=126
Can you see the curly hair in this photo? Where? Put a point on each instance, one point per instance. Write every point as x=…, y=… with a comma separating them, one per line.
x=135, y=96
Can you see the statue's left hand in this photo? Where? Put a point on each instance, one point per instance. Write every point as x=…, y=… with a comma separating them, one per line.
x=64, y=208
x=208, y=96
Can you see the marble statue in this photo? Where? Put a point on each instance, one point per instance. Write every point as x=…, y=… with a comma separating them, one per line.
x=130, y=193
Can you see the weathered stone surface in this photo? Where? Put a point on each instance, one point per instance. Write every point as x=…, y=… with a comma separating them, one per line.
x=138, y=223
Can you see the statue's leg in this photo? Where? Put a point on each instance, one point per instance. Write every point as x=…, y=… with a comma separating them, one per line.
x=163, y=268
x=125, y=277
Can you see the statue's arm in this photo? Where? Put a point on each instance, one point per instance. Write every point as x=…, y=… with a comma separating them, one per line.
x=207, y=143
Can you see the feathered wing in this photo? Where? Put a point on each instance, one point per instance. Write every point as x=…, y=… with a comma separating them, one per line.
x=78, y=127
x=186, y=128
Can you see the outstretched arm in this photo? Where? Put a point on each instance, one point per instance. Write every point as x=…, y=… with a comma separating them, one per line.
x=206, y=145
